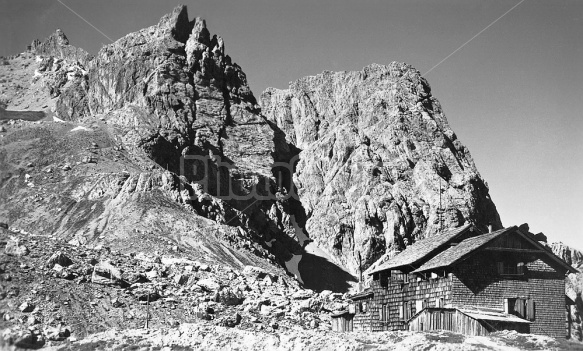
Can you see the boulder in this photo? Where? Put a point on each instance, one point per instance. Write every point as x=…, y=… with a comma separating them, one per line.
x=302, y=294
x=208, y=284
x=180, y=279
x=59, y=258
x=26, y=307
x=229, y=297
x=152, y=274
x=14, y=248
x=28, y=340
x=324, y=294
x=332, y=306
x=308, y=305
x=105, y=273
x=265, y=310
x=231, y=321
x=57, y=333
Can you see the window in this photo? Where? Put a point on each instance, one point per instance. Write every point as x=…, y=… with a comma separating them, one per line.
x=383, y=313
x=364, y=307
x=401, y=311
x=408, y=310
x=510, y=268
x=523, y=308
x=418, y=305
x=384, y=276
x=411, y=309
x=439, y=302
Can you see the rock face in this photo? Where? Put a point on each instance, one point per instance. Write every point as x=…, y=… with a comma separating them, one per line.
x=573, y=286
x=57, y=45
x=378, y=165
x=174, y=92
x=568, y=254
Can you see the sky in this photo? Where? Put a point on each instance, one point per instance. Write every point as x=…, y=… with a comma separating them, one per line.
x=513, y=94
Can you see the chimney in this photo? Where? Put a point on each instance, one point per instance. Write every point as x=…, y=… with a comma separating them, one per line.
x=489, y=227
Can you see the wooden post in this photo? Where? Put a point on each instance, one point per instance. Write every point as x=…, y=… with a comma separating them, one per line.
x=148, y=311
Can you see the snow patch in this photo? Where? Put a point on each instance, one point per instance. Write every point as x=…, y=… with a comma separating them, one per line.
x=77, y=128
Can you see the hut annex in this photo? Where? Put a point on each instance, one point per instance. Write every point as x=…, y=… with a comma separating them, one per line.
x=466, y=282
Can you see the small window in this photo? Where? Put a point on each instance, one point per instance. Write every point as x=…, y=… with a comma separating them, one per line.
x=401, y=311
x=419, y=305
x=523, y=308
x=510, y=268
x=409, y=310
x=364, y=307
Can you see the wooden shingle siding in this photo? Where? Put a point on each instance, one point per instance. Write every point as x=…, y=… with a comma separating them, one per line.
x=396, y=294
x=477, y=283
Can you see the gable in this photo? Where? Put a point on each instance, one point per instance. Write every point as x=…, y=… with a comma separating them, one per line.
x=511, y=241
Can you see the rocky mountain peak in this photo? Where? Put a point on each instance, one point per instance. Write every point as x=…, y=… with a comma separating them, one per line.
x=178, y=23
x=57, y=45
x=180, y=79
x=378, y=164
x=568, y=254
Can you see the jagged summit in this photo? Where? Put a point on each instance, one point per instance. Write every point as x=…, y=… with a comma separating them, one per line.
x=57, y=45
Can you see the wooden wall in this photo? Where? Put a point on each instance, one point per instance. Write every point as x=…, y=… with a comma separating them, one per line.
x=342, y=323
x=451, y=320
x=458, y=322
x=477, y=283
